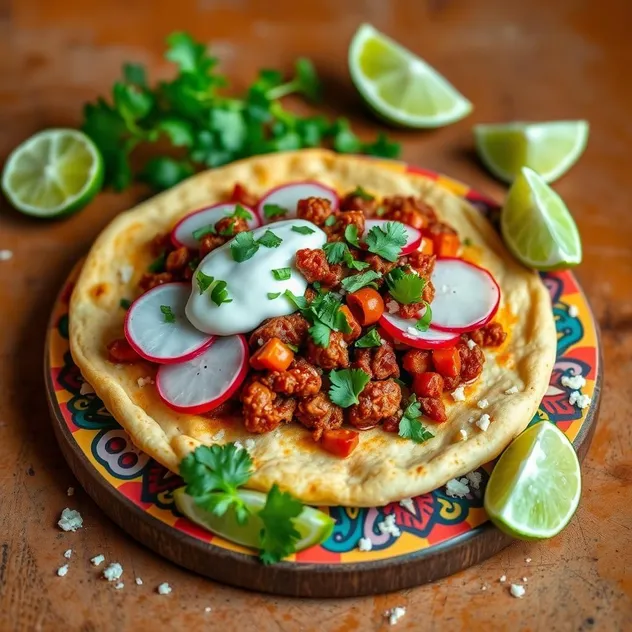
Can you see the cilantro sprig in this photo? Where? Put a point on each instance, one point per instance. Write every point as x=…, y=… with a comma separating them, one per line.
x=338, y=252
x=346, y=386
x=204, y=127
x=244, y=246
x=410, y=426
x=355, y=282
x=370, y=339
x=279, y=536
x=167, y=313
x=388, y=241
x=405, y=287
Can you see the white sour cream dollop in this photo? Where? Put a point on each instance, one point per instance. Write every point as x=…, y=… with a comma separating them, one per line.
x=250, y=282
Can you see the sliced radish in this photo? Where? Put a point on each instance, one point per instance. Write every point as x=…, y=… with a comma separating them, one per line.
x=466, y=296
x=288, y=195
x=149, y=332
x=414, y=236
x=208, y=380
x=403, y=329
x=182, y=233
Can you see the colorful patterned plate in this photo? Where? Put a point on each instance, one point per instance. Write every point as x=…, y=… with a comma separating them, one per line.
x=442, y=536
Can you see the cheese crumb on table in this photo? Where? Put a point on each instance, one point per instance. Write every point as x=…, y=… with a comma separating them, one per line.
x=457, y=488
x=62, y=570
x=70, y=520
x=139, y=581
x=483, y=422
x=365, y=544
x=68, y=553
x=408, y=504
x=503, y=578
x=395, y=614
x=389, y=526
x=97, y=560
x=164, y=589
x=512, y=390
x=525, y=579
x=517, y=590
x=70, y=491
x=113, y=572
x=119, y=586
x=527, y=559
x=475, y=479
x=458, y=394
x=482, y=404
x=573, y=311
x=574, y=382
x=582, y=401
x=5, y=255
x=207, y=609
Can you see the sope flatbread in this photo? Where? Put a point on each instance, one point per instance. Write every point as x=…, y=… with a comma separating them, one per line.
x=384, y=467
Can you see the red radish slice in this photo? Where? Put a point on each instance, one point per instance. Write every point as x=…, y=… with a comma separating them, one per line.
x=154, y=338
x=182, y=233
x=208, y=380
x=403, y=329
x=414, y=235
x=466, y=296
x=288, y=195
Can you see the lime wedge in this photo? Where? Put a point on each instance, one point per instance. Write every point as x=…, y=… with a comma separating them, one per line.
x=537, y=227
x=548, y=148
x=534, y=489
x=399, y=86
x=53, y=173
x=313, y=525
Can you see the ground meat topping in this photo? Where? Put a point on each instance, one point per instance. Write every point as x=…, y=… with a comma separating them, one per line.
x=490, y=335
x=472, y=361
x=314, y=209
x=229, y=226
x=378, y=401
x=335, y=356
x=121, y=352
x=209, y=243
x=292, y=330
x=408, y=210
x=241, y=195
x=177, y=259
x=336, y=232
x=417, y=361
x=379, y=362
x=263, y=409
x=318, y=413
x=379, y=264
x=150, y=280
x=301, y=379
x=351, y=202
x=434, y=408
x=313, y=265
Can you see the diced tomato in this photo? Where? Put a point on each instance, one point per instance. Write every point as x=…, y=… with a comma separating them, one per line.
x=241, y=195
x=120, y=352
x=446, y=244
x=275, y=355
x=447, y=361
x=367, y=305
x=428, y=384
x=340, y=442
x=427, y=246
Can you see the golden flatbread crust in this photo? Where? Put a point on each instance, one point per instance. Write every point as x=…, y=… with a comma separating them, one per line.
x=384, y=467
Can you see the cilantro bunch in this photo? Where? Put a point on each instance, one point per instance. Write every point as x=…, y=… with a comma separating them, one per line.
x=204, y=127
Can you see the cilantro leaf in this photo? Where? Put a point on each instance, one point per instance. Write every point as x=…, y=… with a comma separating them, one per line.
x=357, y=281
x=370, y=339
x=204, y=281
x=273, y=210
x=162, y=172
x=198, y=233
x=279, y=536
x=327, y=309
x=282, y=274
x=331, y=220
x=382, y=147
x=424, y=322
x=125, y=303
x=219, y=294
x=243, y=246
x=213, y=474
x=363, y=194
x=405, y=287
x=303, y=230
x=136, y=74
x=300, y=302
x=320, y=334
x=335, y=251
x=241, y=213
x=179, y=131
x=269, y=240
x=131, y=102
x=344, y=140
x=346, y=386
x=388, y=241
x=351, y=235
x=410, y=426
x=273, y=295
x=168, y=314
x=158, y=264
x=305, y=82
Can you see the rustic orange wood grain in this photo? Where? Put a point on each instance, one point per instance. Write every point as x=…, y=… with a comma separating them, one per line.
x=535, y=60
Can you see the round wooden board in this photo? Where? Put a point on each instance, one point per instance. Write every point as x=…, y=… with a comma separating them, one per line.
x=442, y=536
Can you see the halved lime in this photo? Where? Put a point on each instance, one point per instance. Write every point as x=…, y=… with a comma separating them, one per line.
x=53, y=173
x=537, y=227
x=548, y=148
x=400, y=86
x=313, y=525
x=534, y=488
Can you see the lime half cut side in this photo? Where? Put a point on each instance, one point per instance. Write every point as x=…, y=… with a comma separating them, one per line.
x=53, y=173
x=400, y=86
x=314, y=526
x=537, y=227
x=534, y=488
x=550, y=148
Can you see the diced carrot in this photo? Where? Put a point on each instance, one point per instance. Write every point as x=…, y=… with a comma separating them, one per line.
x=427, y=247
x=446, y=244
x=367, y=305
x=274, y=355
x=428, y=384
x=447, y=362
x=340, y=442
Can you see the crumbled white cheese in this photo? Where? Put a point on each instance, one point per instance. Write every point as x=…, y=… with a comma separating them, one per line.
x=139, y=581
x=475, y=479
x=517, y=591
x=389, y=526
x=62, y=570
x=250, y=444
x=503, y=578
x=98, y=560
x=207, y=609
x=462, y=434
x=415, y=333
x=392, y=307
x=113, y=572
x=573, y=311
x=259, y=341
x=471, y=344
x=458, y=394
x=527, y=560
x=70, y=491
x=68, y=553
x=70, y=520
x=408, y=504
x=5, y=255
x=395, y=614
x=119, y=586
x=483, y=587
x=365, y=544
x=219, y=435
x=143, y=381
x=125, y=272
x=86, y=389
x=575, y=382
x=582, y=401
x=483, y=422
x=239, y=445
x=512, y=390
x=525, y=579
x=482, y=404
x=471, y=419
x=456, y=488
x=164, y=589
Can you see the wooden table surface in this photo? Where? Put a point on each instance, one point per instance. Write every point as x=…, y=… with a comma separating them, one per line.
x=515, y=61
